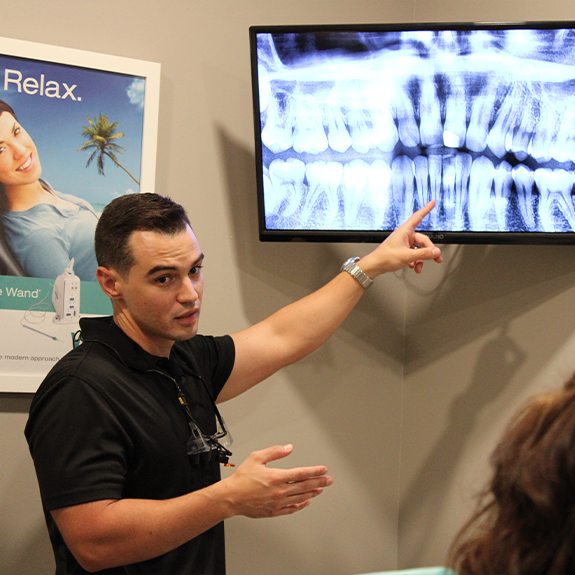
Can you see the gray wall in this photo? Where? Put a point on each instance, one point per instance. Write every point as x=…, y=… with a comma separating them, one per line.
x=405, y=403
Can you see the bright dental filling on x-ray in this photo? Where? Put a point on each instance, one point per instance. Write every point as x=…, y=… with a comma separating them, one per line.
x=360, y=129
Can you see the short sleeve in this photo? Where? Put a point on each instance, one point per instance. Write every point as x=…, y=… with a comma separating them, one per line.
x=215, y=358
x=79, y=448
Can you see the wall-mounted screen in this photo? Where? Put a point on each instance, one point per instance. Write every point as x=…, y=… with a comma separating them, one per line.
x=358, y=126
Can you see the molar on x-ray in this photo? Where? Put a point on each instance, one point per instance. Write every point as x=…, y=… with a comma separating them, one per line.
x=360, y=129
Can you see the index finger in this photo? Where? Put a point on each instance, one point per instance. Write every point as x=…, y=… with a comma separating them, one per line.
x=416, y=217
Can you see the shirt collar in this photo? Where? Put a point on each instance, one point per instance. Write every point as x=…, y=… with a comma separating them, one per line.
x=105, y=331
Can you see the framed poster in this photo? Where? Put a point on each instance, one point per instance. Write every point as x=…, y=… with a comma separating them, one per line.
x=77, y=129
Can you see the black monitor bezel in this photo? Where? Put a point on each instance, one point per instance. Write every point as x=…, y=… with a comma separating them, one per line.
x=374, y=236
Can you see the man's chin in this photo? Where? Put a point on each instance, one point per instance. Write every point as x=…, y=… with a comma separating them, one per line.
x=184, y=337
x=186, y=333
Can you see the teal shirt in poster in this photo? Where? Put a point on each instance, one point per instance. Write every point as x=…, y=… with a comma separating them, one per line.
x=45, y=238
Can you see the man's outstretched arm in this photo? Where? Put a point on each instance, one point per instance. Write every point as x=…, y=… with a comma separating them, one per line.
x=110, y=533
x=299, y=328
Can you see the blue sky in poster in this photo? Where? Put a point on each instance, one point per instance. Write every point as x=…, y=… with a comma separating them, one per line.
x=56, y=124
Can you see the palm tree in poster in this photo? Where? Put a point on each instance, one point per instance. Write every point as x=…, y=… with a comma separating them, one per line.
x=101, y=137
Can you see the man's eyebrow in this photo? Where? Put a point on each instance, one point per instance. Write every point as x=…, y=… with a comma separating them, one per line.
x=161, y=268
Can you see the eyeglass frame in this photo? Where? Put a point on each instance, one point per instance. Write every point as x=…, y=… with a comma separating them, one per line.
x=197, y=436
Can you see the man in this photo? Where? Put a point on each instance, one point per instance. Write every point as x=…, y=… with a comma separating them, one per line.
x=124, y=431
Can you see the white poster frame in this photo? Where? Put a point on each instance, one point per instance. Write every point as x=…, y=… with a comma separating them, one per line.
x=26, y=377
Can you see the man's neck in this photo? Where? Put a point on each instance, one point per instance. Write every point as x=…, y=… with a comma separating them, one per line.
x=159, y=348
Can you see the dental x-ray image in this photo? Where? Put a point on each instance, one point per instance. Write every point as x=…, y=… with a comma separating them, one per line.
x=358, y=126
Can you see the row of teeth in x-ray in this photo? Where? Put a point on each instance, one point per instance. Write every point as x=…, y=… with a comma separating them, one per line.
x=514, y=96
x=471, y=194
x=524, y=119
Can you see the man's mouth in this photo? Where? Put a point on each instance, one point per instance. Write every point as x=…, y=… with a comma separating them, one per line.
x=188, y=317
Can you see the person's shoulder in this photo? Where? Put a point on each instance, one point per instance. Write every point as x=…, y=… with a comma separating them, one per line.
x=80, y=202
x=214, y=356
x=202, y=343
x=80, y=363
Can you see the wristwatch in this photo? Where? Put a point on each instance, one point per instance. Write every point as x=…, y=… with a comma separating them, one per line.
x=351, y=268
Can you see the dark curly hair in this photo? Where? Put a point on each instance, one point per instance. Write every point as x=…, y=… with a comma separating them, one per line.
x=525, y=520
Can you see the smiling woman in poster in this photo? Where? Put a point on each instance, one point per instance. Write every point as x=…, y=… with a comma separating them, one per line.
x=44, y=228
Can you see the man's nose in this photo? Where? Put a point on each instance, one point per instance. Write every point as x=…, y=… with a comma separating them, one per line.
x=188, y=291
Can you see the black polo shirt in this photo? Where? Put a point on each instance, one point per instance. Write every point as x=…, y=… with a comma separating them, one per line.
x=106, y=424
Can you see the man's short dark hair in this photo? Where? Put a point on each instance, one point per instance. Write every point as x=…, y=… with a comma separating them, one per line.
x=133, y=213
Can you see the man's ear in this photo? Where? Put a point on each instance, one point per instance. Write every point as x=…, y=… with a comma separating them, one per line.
x=110, y=281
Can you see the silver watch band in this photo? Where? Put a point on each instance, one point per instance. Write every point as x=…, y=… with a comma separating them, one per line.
x=354, y=271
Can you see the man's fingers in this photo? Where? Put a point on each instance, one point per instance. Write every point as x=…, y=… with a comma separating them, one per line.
x=290, y=509
x=294, y=475
x=308, y=484
x=420, y=254
x=416, y=218
x=433, y=253
x=297, y=502
x=303, y=497
x=423, y=241
x=299, y=474
x=268, y=492
x=273, y=453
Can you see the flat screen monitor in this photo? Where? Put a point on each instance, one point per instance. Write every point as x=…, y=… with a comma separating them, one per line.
x=358, y=126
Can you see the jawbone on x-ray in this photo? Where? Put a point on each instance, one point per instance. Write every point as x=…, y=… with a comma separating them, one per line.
x=359, y=129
